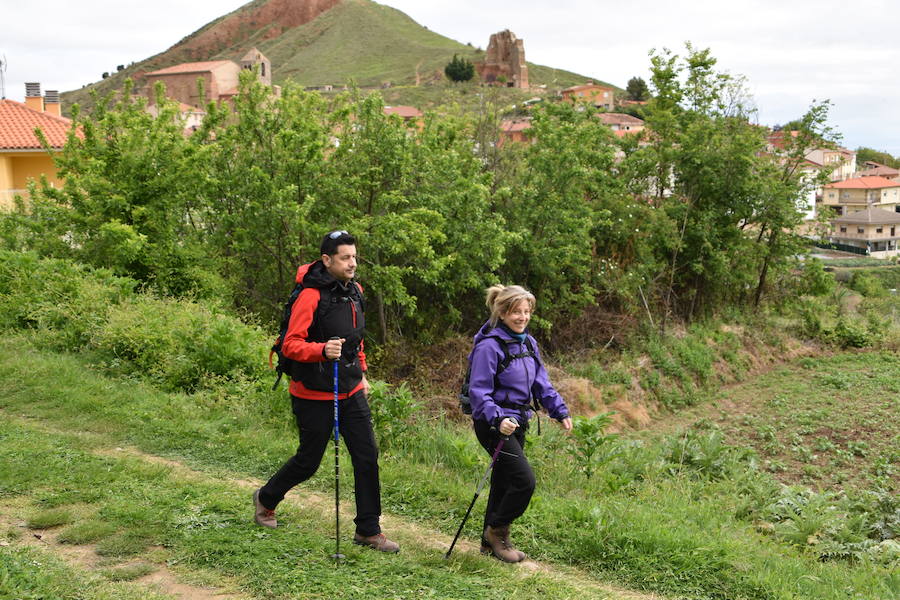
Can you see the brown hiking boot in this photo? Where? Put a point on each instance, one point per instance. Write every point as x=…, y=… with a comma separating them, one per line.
x=377, y=541
x=263, y=516
x=496, y=542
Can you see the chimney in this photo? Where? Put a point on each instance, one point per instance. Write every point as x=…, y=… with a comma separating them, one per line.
x=33, y=99
x=51, y=103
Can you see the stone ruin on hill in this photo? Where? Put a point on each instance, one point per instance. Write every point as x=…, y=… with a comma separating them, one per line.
x=505, y=61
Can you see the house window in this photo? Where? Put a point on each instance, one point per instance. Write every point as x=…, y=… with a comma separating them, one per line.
x=843, y=229
x=831, y=194
x=860, y=230
x=879, y=229
x=845, y=195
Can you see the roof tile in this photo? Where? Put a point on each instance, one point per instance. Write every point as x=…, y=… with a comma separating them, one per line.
x=864, y=183
x=194, y=67
x=18, y=122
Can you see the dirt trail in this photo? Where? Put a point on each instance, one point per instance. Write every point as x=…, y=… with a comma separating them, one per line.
x=83, y=557
x=407, y=533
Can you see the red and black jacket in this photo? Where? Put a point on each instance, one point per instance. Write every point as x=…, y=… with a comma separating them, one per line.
x=324, y=309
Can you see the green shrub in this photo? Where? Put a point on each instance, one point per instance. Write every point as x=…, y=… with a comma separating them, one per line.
x=867, y=284
x=179, y=343
x=815, y=280
x=65, y=301
x=851, y=334
x=393, y=408
x=591, y=442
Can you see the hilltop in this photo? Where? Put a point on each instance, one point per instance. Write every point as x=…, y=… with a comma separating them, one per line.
x=324, y=42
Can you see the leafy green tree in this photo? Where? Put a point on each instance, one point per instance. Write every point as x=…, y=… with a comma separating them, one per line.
x=262, y=168
x=721, y=202
x=126, y=204
x=637, y=89
x=459, y=69
x=554, y=206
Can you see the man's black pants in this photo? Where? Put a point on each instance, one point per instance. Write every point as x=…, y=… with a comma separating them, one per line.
x=315, y=420
x=512, y=480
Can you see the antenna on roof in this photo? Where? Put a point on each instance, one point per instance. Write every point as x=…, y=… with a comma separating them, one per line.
x=3, y=78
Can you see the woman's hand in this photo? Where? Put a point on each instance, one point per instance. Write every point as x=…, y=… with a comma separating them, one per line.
x=508, y=426
x=566, y=424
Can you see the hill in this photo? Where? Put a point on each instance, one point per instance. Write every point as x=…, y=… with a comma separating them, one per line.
x=319, y=42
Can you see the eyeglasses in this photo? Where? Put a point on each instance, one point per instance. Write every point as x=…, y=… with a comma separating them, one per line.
x=336, y=234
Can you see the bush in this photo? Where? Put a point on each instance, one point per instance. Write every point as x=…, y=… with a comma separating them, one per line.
x=392, y=410
x=179, y=343
x=66, y=302
x=815, y=281
x=867, y=284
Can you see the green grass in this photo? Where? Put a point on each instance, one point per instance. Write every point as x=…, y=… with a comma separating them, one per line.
x=676, y=516
x=31, y=574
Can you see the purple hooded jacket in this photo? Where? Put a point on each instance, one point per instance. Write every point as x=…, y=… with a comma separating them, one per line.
x=522, y=379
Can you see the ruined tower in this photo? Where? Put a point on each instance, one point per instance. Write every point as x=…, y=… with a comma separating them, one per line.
x=505, y=59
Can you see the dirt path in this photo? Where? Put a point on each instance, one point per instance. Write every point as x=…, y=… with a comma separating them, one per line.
x=407, y=533
x=84, y=557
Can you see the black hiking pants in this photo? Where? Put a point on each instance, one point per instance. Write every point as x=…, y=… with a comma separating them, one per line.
x=315, y=421
x=512, y=480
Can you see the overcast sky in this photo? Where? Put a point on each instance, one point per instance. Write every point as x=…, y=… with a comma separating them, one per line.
x=791, y=51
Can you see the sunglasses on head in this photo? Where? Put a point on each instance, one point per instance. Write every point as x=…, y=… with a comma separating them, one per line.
x=336, y=234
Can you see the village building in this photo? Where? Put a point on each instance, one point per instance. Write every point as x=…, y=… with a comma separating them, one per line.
x=873, y=231
x=504, y=62
x=861, y=193
x=220, y=79
x=22, y=157
x=621, y=122
x=874, y=169
x=514, y=130
x=598, y=96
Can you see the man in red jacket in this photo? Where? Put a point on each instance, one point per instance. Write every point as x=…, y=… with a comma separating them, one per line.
x=330, y=306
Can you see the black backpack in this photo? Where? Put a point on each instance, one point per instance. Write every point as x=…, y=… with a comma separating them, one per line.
x=465, y=405
x=285, y=364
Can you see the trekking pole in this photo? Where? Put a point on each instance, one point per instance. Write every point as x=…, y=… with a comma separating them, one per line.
x=337, y=556
x=480, y=486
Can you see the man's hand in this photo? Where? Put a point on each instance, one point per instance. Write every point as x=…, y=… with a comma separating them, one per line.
x=365, y=384
x=333, y=348
x=566, y=423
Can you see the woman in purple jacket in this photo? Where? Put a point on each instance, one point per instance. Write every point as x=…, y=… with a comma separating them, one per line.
x=506, y=373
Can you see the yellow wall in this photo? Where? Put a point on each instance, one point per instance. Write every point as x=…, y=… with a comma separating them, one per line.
x=6, y=178
x=17, y=168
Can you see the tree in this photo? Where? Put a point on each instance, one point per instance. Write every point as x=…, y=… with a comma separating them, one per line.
x=126, y=204
x=637, y=89
x=721, y=203
x=459, y=69
x=864, y=154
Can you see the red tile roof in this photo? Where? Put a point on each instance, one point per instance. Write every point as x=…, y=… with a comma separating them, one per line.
x=406, y=112
x=511, y=126
x=618, y=119
x=194, y=67
x=18, y=122
x=864, y=183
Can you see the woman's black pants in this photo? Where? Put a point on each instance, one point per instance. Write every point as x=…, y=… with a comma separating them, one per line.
x=512, y=480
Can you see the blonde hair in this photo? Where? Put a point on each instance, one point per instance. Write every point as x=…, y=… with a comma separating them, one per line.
x=500, y=299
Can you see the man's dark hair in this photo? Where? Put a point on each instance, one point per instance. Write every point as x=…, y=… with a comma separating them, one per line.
x=332, y=240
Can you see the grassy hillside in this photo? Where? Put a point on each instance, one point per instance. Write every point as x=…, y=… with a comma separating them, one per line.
x=357, y=41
